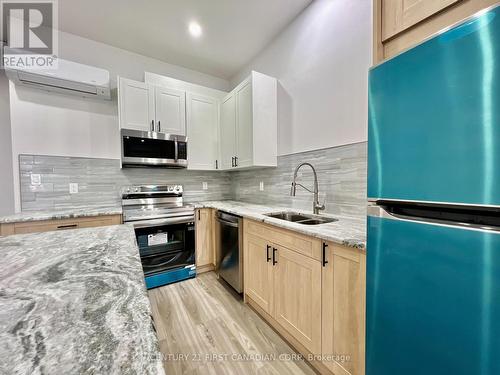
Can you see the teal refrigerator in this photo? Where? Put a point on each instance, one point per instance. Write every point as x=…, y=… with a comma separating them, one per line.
x=433, y=227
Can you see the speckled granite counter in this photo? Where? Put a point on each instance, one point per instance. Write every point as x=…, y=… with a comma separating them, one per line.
x=75, y=302
x=61, y=214
x=346, y=231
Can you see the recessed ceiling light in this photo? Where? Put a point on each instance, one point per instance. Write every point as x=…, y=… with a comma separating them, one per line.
x=195, y=29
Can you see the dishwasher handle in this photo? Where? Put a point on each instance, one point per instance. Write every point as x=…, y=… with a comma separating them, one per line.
x=228, y=223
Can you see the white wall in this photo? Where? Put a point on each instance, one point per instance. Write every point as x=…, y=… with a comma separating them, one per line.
x=6, y=172
x=321, y=61
x=54, y=124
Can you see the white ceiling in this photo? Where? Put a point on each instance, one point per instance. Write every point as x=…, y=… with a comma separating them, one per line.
x=234, y=31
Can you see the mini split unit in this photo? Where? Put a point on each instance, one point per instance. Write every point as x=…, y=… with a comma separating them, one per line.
x=69, y=78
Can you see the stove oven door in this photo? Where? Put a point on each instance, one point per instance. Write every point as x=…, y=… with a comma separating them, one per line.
x=167, y=252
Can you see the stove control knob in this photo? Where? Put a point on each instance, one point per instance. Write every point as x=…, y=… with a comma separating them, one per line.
x=177, y=188
x=170, y=188
x=136, y=190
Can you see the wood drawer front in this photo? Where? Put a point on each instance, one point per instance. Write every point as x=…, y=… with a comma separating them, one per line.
x=63, y=224
x=300, y=243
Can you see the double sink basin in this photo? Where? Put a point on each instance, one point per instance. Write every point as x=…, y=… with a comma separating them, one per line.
x=299, y=218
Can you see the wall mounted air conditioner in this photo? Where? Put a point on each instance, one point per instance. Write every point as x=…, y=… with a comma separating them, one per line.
x=69, y=78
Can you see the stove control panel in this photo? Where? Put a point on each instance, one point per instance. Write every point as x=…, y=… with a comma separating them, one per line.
x=152, y=189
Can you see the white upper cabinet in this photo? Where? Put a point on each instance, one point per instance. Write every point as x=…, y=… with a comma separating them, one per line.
x=244, y=130
x=136, y=105
x=227, y=132
x=249, y=124
x=145, y=107
x=170, y=110
x=202, y=132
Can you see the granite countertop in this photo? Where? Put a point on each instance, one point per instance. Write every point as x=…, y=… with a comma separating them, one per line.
x=61, y=214
x=75, y=302
x=346, y=231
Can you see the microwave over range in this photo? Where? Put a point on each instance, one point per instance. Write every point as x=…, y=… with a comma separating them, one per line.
x=144, y=148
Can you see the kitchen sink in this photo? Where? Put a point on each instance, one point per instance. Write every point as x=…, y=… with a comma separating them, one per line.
x=299, y=218
x=289, y=216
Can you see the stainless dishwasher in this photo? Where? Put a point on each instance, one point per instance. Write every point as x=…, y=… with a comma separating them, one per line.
x=230, y=251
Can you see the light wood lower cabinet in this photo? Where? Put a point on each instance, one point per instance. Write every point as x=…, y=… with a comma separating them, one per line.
x=297, y=292
x=59, y=224
x=318, y=305
x=343, y=310
x=258, y=272
x=204, y=240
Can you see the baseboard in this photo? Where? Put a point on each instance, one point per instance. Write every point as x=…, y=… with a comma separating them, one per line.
x=205, y=268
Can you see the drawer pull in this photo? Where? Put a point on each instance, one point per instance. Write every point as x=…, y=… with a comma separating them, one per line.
x=274, y=256
x=267, y=253
x=67, y=226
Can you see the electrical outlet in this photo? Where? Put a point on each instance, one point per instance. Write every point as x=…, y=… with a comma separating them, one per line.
x=36, y=179
x=73, y=188
x=261, y=186
x=205, y=185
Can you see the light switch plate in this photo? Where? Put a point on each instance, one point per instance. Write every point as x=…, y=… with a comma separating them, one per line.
x=261, y=186
x=73, y=188
x=205, y=185
x=36, y=179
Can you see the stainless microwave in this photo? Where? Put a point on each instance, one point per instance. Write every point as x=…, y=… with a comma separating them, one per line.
x=144, y=148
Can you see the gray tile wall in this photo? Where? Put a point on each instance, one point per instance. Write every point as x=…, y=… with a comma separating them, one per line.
x=341, y=174
x=100, y=181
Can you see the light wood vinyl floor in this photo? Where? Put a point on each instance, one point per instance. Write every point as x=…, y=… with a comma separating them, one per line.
x=204, y=329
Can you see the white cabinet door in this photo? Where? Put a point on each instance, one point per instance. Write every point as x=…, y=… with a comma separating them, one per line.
x=135, y=105
x=170, y=111
x=202, y=129
x=244, y=127
x=228, y=132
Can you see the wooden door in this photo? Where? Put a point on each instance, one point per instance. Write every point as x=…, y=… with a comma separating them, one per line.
x=258, y=272
x=204, y=251
x=135, y=105
x=170, y=109
x=244, y=125
x=228, y=132
x=297, y=296
x=343, y=304
x=202, y=131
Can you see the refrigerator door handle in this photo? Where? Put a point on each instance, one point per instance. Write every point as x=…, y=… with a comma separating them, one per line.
x=381, y=212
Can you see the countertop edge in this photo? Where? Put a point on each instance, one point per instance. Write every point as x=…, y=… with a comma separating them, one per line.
x=344, y=241
x=23, y=217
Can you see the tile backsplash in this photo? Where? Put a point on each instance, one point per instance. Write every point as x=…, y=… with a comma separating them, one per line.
x=100, y=181
x=341, y=174
x=342, y=178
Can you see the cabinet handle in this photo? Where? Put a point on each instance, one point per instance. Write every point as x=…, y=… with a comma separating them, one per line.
x=176, y=149
x=216, y=164
x=199, y=217
x=68, y=226
x=159, y=126
x=324, y=261
x=267, y=253
x=235, y=161
x=274, y=256
x=232, y=162
x=152, y=125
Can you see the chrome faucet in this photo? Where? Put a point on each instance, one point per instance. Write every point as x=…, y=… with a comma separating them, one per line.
x=316, y=205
